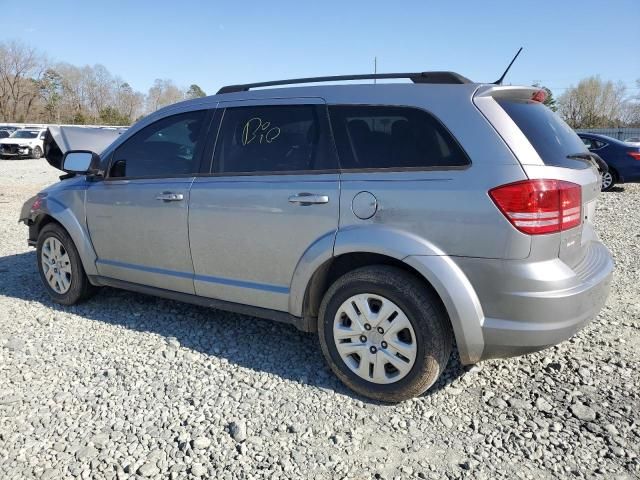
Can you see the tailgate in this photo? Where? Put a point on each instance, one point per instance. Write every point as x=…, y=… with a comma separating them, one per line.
x=544, y=145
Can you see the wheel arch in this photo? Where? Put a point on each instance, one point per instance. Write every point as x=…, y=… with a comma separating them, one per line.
x=55, y=212
x=439, y=274
x=376, y=245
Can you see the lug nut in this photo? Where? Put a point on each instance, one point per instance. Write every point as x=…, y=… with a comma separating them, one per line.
x=367, y=326
x=373, y=349
x=383, y=344
x=363, y=339
x=380, y=330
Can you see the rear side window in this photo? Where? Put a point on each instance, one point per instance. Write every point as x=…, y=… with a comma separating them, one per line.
x=165, y=148
x=378, y=137
x=274, y=138
x=551, y=137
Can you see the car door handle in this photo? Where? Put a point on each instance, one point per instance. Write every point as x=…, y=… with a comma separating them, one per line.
x=305, y=198
x=170, y=197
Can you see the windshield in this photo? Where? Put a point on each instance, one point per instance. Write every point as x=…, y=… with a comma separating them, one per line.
x=24, y=134
x=552, y=138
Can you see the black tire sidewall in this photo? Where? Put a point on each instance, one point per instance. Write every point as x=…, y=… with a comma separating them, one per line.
x=422, y=320
x=78, y=277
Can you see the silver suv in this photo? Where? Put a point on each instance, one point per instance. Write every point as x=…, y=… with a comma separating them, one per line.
x=392, y=219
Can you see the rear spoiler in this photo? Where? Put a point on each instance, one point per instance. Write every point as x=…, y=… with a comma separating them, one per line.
x=59, y=140
x=506, y=91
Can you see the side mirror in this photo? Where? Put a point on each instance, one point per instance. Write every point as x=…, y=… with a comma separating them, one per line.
x=83, y=162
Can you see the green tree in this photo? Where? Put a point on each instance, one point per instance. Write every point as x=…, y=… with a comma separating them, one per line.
x=111, y=116
x=195, y=92
x=50, y=86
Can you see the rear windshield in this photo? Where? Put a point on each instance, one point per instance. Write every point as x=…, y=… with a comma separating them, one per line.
x=552, y=138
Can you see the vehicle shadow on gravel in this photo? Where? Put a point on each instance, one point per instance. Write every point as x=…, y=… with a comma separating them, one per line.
x=249, y=342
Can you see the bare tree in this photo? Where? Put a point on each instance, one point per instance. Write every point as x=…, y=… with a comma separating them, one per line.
x=163, y=93
x=20, y=70
x=593, y=103
x=100, y=86
x=127, y=101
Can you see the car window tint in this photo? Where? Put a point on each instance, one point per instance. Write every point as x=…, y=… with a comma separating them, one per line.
x=392, y=137
x=551, y=137
x=273, y=138
x=165, y=148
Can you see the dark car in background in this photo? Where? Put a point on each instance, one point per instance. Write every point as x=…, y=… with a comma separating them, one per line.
x=623, y=159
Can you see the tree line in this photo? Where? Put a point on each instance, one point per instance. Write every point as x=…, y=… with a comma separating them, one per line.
x=35, y=90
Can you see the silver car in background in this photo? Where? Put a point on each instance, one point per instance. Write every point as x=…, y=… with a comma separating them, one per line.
x=393, y=219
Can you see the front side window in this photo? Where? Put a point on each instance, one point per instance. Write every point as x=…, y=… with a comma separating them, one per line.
x=274, y=138
x=379, y=137
x=166, y=148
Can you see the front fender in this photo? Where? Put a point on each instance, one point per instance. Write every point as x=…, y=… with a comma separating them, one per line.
x=66, y=214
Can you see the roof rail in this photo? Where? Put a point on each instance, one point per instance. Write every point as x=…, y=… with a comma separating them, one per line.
x=416, y=77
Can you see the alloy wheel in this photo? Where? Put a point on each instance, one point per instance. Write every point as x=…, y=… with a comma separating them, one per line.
x=607, y=180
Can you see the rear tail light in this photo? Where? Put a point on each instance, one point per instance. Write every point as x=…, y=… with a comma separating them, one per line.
x=635, y=155
x=540, y=206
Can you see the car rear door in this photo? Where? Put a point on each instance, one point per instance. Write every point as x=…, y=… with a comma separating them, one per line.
x=271, y=194
x=137, y=216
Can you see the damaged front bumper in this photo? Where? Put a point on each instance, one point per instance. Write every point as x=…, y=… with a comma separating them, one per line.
x=14, y=151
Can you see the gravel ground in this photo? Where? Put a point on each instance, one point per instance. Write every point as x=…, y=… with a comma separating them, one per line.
x=129, y=386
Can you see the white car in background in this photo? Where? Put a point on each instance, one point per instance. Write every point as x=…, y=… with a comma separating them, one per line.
x=26, y=142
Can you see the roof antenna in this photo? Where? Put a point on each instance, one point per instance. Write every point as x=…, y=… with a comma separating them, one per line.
x=499, y=81
x=375, y=68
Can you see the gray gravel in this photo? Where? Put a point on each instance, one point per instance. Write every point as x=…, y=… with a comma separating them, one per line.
x=129, y=386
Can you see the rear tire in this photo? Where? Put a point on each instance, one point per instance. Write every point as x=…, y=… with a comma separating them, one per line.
x=609, y=180
x=394, y=353
x=60, y=267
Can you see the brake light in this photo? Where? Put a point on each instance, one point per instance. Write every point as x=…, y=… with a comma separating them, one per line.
x=634, y=155
x=539, y=96
x=540, y=206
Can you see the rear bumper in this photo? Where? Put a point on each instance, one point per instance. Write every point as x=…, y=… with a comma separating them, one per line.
x=530, y=306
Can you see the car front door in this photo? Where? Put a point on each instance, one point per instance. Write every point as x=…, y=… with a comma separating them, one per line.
x=272, y=193
x=137, y=216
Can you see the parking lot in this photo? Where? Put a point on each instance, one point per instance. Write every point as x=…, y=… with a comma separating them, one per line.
x=128, y=386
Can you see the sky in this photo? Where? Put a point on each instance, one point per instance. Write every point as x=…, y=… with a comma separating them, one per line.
x=215, y=43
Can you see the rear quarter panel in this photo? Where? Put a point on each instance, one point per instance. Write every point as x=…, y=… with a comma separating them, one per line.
x=450, y=209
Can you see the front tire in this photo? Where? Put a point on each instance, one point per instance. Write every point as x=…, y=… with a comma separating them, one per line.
x=60, y=267
x=36, y=153
x=384, y=333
